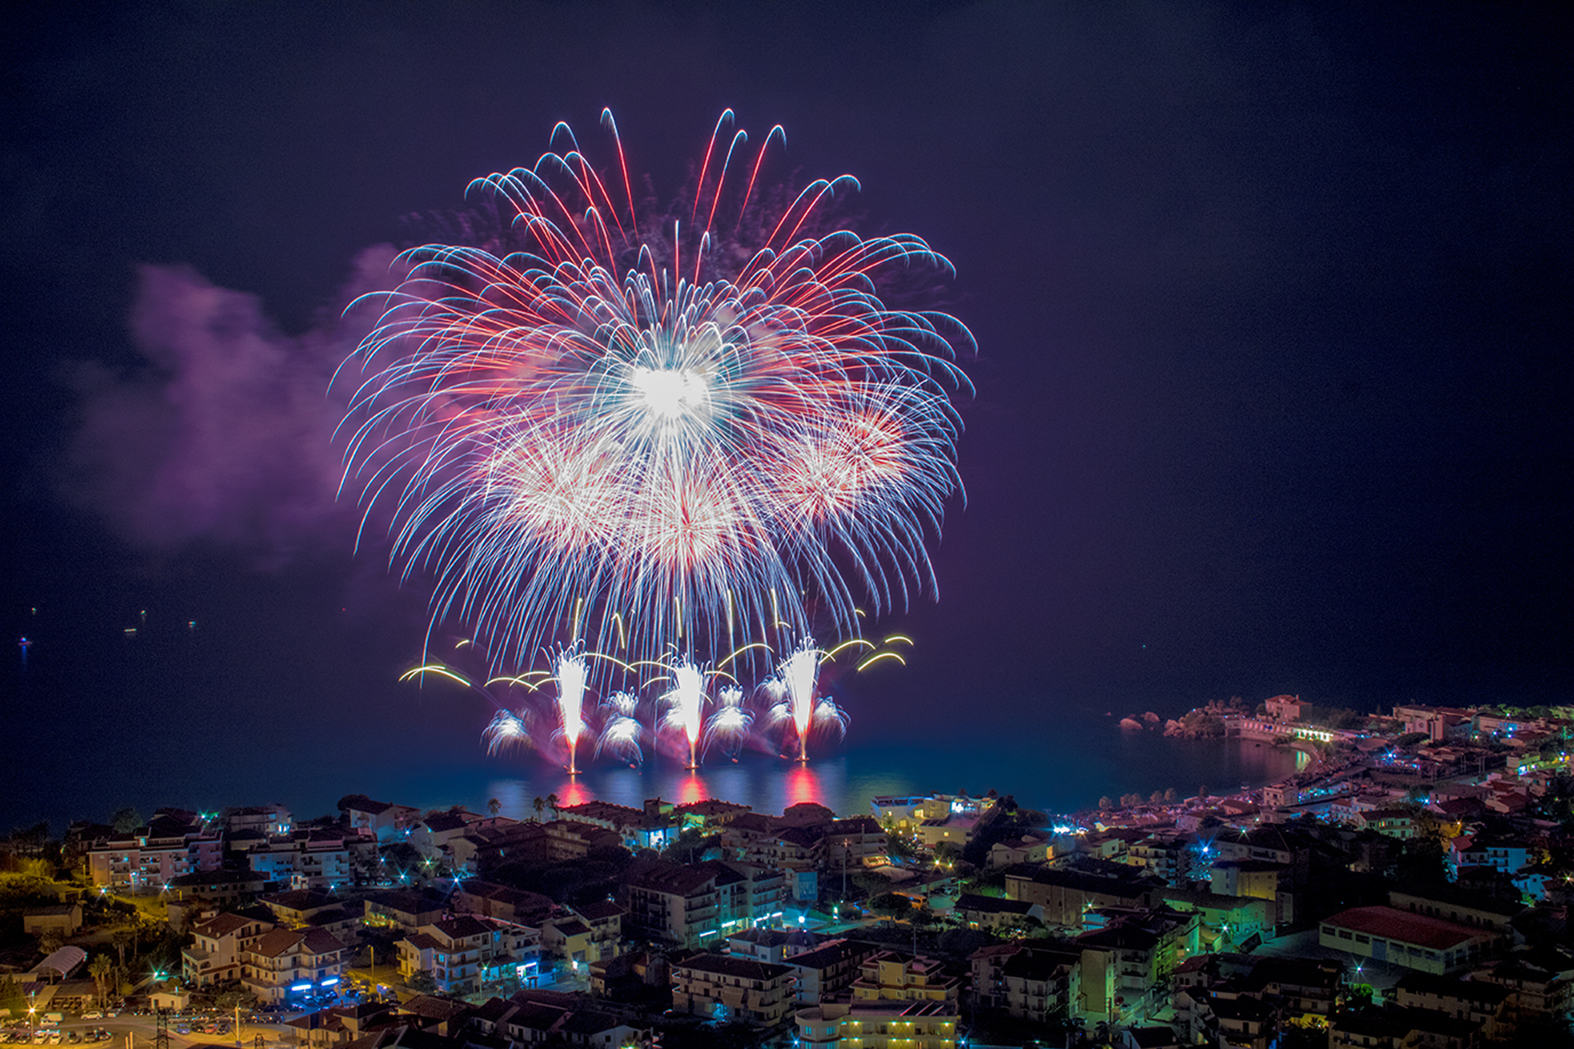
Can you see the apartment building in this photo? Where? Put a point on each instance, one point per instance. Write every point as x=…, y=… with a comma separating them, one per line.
x=465, y=952
x=290, y=961
x=826, y=971
x=218, y=947
x=147, y=859
x=320, y=858
x=737, y=989
x=689, y=905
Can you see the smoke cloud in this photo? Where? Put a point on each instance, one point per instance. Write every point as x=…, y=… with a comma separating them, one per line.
x=224, y=435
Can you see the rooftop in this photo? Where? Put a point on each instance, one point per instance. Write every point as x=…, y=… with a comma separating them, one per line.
x=1406, y=927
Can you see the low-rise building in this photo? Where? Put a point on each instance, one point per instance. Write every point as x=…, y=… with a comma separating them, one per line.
x=1458, y=905
x=994, y=912
x=432, y=834
x=1029, y=981
x=726, y=988
x=897, y=976
x=855, y=842
x=1026, y=848
x=532, y=1017
x=63, y=919
x=1126, y=964
x=1225, y=920
x=317, y=858
x=220, y=887
x=878, y=1025
x=1540, y=985
x=384, y=820
x=1066, y=894
x=407, y=910
x=1404, y=938
x=500, y=901
x=1476, y=1003
x=651, y=827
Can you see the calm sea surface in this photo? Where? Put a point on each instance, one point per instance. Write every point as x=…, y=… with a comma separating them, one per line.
x=1065, y=775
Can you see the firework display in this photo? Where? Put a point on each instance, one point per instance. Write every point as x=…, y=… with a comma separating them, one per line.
x=665, y=705
x=662, y=436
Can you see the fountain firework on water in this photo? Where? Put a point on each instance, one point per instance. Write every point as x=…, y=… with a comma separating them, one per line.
x=796, y=679
x=572, y=674
x=729, y=725
x=506, y=731
x=560, y=702
x=685, y=702
x=621, y=732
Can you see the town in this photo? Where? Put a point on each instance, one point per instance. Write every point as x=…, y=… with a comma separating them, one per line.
x=1409, y=886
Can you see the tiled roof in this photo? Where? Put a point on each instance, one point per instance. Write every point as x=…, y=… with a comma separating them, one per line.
x=727, y=965
x=222, y=925
x=1392, y=924
x=600, y=910
x=991, y=904
x=461, y=927
x=279, y=941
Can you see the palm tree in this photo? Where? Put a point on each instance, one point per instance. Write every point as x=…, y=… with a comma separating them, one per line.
x=553, y=805
x=100, y=969
x=539, y=806
x=494, y=806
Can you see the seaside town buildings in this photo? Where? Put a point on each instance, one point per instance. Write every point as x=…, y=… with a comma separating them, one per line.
x=1408, y=887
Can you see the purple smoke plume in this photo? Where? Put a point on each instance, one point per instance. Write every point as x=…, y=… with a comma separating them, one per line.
x=226, y=436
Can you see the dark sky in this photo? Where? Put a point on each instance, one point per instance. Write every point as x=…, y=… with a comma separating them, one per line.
x=1272, y=305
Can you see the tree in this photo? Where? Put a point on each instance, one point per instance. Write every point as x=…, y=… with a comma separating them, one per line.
x=871, y=883
x=901, y=846
x=539, y=806
x=101, y=969
x=229, y=1001
x=494, y=806
x=1421, y=862
x=422, y=982
x=690, y=845
x=126, y=820
x=554, y=805
x=890, y=905
x=1105, y=804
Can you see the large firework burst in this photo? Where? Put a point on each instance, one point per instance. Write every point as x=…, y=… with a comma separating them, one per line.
x=680, y=432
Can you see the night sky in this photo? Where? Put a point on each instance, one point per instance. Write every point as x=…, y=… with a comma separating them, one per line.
x=1272, y=305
